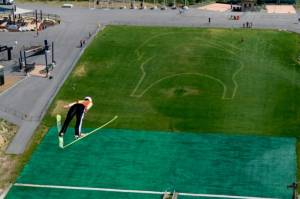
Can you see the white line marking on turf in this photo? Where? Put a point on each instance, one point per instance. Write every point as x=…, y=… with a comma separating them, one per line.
x=176, y=75
x=133, y=191
x=87, y=188
x=5, y=192
x=236, y=85
x=148, y=40
x=142, y=77
x=214, y=44
x=225, y=89
x=211, y=44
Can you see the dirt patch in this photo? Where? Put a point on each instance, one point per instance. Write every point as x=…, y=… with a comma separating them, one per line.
x=38, y=71
x=80, y=71
x=7, y=131
x=7, y=170
x=8, y=162
x=3, y=141
x=181, y=91
x=59, y=107
x=9, y=81
x=281, y=9
x=219, y=7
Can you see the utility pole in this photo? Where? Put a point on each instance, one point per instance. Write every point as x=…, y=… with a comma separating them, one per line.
x=53, y=52
x=13, y=16
x=41, y=15
x=36, y=23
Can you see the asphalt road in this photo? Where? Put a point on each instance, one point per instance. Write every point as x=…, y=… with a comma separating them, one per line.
x=26, y=103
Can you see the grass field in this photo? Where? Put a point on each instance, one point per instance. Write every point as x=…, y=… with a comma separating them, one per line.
x=185, y=79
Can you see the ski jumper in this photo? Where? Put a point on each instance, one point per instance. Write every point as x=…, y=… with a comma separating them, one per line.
x=76, y=109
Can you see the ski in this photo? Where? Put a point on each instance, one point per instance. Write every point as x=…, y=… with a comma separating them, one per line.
x=58, y=122
x=58, y=125
x=93, y=131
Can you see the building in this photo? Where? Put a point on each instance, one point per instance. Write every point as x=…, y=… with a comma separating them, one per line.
x=248, y=5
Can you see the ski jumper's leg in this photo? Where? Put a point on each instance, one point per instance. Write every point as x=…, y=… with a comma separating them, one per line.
x=79, y=118
x=70, y=115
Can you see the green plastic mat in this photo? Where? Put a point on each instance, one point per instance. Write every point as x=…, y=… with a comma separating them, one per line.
x=160, y=161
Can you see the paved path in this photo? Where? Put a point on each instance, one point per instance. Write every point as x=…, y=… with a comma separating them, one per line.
x=26, y=103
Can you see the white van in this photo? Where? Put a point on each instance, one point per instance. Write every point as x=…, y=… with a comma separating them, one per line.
x=7, y=2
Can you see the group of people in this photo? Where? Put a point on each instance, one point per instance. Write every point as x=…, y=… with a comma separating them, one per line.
x=82, y=41
x=234, y=17
x=247, y=25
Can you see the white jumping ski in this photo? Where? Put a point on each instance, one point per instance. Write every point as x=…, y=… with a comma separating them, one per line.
x=58, y=125
x=87, y=134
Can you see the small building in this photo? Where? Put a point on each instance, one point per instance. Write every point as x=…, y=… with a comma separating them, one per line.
x=236, y=8
x=248, y=5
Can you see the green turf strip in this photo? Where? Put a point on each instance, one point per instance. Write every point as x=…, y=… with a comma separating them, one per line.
x=159, y=161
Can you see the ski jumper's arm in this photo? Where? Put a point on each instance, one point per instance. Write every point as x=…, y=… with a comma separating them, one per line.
x=71, y=104
x=87, y=104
